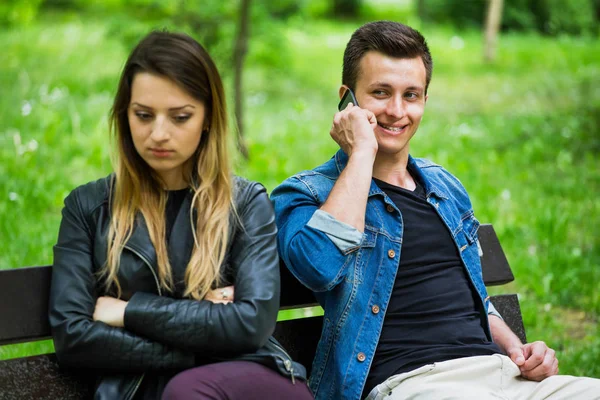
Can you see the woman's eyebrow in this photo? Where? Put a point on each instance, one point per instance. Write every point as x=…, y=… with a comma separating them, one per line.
x=170, y=109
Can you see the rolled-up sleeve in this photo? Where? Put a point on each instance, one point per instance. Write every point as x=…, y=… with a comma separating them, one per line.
x=315, y=247
x=344, y=236
x=492, y=310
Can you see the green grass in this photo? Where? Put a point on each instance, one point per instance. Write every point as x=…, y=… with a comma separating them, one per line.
x=522, y=135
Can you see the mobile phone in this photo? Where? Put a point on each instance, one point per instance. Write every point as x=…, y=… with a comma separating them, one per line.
x=348, y=97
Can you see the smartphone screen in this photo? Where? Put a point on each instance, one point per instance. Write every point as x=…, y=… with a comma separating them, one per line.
x=348, y=97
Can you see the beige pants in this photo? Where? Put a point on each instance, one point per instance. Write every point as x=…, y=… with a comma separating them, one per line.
x=480, y=378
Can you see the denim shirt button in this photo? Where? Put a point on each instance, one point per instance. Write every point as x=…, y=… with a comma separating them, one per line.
x=389, y=208
x=375, y=309
x=391, y=253
x=361, y=357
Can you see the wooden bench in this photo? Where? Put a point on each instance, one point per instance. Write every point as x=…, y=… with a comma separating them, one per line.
x=24, y=318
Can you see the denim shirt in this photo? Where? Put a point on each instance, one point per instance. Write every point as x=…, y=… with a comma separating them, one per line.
x=353, y=273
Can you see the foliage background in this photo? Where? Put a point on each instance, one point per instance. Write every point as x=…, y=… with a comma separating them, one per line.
x=522, y=134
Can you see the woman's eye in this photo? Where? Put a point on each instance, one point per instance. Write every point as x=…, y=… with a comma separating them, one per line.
x=143, y=116
x=181, y=118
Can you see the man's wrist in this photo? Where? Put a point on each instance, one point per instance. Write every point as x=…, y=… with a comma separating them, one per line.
x=363, y=156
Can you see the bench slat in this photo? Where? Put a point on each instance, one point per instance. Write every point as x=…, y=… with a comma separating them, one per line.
x=494, y=263
x=508, y=306
x=300, y=337
x=24, y=296
x=293, y=293
x=39, y=378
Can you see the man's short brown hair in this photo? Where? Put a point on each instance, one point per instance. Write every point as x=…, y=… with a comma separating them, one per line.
x=387, y=37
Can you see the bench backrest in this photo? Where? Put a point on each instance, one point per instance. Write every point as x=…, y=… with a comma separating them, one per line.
x=24, y=318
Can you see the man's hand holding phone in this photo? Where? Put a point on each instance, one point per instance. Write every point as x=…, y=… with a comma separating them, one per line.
x=353, y=127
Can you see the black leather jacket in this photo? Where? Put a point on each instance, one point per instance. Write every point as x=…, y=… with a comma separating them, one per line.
x=164, y=333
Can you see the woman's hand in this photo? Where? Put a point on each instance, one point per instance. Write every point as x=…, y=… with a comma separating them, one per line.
x=223, y=295
x=111, y=311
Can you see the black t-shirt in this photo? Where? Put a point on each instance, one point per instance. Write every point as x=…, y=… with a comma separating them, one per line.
x=174, y=202
x=434, y=311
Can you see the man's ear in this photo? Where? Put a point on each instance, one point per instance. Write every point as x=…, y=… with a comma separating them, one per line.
x=342, y=90
x=426, y=97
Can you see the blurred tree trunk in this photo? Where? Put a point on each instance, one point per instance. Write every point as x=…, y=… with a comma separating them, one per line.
x=421, y=10
x=492, y=25
x=239, y=54
x=346, y=8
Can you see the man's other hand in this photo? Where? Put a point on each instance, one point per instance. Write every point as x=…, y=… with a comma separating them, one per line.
x=535, y=360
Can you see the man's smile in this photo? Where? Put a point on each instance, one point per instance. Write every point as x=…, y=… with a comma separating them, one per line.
x=396, y=129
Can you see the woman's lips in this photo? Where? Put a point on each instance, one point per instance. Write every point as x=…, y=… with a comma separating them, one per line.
x=161, y=153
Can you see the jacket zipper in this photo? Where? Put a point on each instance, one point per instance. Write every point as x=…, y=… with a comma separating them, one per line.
x=145, y=260
x=287, y=363
x=136, y=387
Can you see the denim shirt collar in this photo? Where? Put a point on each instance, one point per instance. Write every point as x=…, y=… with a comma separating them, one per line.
x=415, y=166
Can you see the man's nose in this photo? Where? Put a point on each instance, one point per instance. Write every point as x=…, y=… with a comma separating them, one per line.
x=395, y=107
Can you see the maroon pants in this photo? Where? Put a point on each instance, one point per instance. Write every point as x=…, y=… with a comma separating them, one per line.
x=234, y=380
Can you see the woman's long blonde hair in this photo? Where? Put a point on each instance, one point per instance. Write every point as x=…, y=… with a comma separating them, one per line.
x=138, y=191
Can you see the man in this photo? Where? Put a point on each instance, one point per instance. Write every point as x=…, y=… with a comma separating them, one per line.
x=388, y=243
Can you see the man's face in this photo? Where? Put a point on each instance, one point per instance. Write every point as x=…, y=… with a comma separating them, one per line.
x=394, y=90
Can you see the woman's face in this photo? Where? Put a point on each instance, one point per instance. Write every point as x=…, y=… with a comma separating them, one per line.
x=166, y=125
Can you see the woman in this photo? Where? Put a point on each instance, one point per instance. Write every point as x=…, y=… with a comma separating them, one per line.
x=170, y=264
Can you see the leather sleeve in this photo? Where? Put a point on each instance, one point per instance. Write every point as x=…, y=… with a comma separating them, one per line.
x=79, y=341
x=242, y=326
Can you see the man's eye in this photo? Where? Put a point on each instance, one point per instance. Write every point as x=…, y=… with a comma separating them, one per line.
x=181, y=118
x=411, y=95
